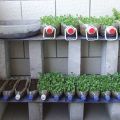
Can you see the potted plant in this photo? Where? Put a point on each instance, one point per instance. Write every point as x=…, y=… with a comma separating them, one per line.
x=106, y=87
x=44, y=85
x=89, y=27
x=108, y=28
x=57, y=85
x=116, y=86
x=95, y=86
x=82, y=86
x=50, y=26
x=69, y=27
x=69, y=89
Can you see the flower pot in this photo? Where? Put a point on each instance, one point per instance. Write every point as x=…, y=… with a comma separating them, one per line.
x=9, y=89
x=94, y=95
x=82, y=95
x=106, y=95
x=32, y=89
x=44, y=94
x=70, y=96
x=109, y=32
x=50, y=32
x=21, y=89
x=89, y=31
x=116, y=94
x=70, y=32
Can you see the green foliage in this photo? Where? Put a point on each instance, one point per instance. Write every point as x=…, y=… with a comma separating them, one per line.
x=70, y=83
x=50, y=20
x=116, y=14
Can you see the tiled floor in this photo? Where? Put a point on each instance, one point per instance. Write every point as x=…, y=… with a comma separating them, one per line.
x=19, y=111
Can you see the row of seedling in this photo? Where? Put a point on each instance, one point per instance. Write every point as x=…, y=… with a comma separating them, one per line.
x=19, y=88
x=90, y=27
x=85, y=87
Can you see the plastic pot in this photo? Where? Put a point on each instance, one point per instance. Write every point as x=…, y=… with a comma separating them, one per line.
x=50, y=32
x=56, y=97
x=82, y=95
x=95, y=95
x=44, y=94
x=106, y=95
x=116, y=94
x=70, y=96
x=89, y=31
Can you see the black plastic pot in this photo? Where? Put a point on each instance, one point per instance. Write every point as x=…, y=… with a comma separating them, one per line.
x=45, y=35
x=116, y=95
x=21, y=89
x=94, y=95
x=32, y=91
x=82, y=95
x=106, y=95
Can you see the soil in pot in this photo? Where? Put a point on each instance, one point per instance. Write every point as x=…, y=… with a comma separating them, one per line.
x=10, y=85
x=33, y=85
x=21, y=85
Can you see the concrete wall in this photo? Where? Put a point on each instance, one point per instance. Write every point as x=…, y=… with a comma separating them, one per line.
x=55, y=52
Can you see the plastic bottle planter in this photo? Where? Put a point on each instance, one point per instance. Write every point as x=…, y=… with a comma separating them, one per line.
x=49, y=32
x=69, y=96
x=2, y=85
x=9, y=89
x=95, y=95
x=70, y=33
x=116, y=95
x=56, y=97
x=89, y=31
x=106, y=95
x=82, y=95
x=32, y=91
x=44, y=95
x=111, y=31
x=21, y=89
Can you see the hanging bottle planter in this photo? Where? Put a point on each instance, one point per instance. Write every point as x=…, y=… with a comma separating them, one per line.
x=116, y=95
x=95, y=95
x=44, y=94
x=106, y=95
x=82, y=95
x=9, y=89
x=32, y=91
x=21, y=89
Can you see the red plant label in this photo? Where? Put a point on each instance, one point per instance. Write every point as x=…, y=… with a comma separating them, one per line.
x=111, y=30
x=49, y=30
x=91, y=30
x=70, y=31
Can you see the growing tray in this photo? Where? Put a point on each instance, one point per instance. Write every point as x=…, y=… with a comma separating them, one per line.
x=32, y=91
x=21, y=89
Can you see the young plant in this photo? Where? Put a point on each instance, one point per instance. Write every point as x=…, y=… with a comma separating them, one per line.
x=50, y=20
x=116, y=14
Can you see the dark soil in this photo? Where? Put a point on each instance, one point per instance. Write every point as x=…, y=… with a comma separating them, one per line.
x=33, y=85
x=1, y=83
x=10, y=85
x=21, y=85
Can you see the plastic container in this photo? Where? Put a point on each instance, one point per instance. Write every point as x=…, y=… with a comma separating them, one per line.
x=44, y=94
x=82, y=95
x=116, y=95
x=95, y=95
x=70, y=96
x=32, y=91
x=106, y=95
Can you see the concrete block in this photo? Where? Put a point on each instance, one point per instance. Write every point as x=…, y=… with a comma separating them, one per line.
x=95, y=48
x=49, y=48
x=19, y=67
x=91, y=65
x=36, y=9
x=62, y=49
x=16, y=49
x=10, y=10
x=56, y=65
x=74, y=7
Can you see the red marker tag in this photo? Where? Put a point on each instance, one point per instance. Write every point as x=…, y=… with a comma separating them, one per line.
x=49, y=30
x=70, y=31
x=91, y=30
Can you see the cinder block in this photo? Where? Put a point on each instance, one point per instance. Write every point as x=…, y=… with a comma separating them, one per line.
x=95, y=48
x=16, y=49
x=49, y=48
x=26, y=49
x=91, y=65
x=36, y=9
x=56, y=65
x=62, y=49
x=19, y=67
x=80, y=7
x=84, y=48
x=102, y=8
x=10, y=10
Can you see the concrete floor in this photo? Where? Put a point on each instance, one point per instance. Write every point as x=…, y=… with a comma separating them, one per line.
x=15, y=111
